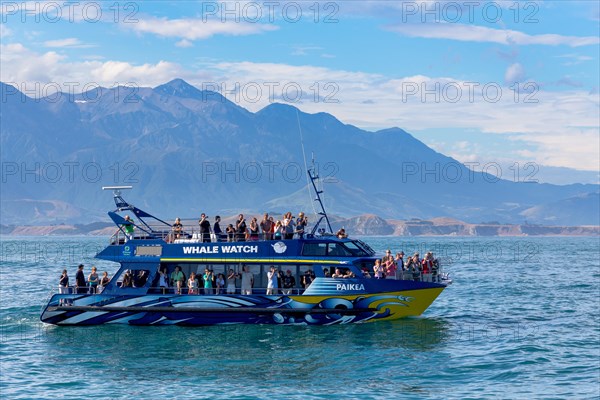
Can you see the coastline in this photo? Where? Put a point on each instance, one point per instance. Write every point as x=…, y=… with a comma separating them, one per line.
x=364, y=225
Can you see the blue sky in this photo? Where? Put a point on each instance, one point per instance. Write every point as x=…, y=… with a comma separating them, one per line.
x=501, y=81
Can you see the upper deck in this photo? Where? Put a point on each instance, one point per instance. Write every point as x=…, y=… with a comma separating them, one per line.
x=149, y=239
x=311, y=249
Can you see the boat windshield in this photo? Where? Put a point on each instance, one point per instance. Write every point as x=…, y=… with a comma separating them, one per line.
x=368, y=249
x=356, y=249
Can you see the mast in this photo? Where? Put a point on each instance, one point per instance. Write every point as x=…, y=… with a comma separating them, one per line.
x=313, y=177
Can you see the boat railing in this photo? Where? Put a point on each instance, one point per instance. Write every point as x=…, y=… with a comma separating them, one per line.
x=174, y=290
x=192, y=235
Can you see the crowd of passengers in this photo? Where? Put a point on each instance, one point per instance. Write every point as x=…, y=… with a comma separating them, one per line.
x=388, y=267
x=413, y=268
x=210, y=283
x=287, y=227
x=92, y=285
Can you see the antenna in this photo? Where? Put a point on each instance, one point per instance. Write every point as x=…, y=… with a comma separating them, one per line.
x=322, y=213
x=119, y=201
x=116, y=189
x=304, y=157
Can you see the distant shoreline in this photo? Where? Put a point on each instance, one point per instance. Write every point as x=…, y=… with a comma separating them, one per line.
x=364, y=225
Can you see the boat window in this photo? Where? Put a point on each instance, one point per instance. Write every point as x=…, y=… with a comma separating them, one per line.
x=338, y=250
x=346, y=272
x=356, y=249
x=302, y=270
x=368, y=249
x=314, y=249
x=216, y=268
x=133, y=278
x=323, y=270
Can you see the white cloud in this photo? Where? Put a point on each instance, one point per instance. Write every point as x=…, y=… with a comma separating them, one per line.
x=196, y=28
x=4, y=31
x=68, y=42
x=474, y=33
x=560, y=128
x=304, y=50
x=574, y=59
x=514, y=73
x=184, y=43
x=25, y=68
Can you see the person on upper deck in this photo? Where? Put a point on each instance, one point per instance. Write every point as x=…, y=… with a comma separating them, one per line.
x=301, y=223
x=204, y=228
x=279, y=230
x=177, y=228
x=128, y=226
x=253, y=229
x=288, y=225
x=341, y=234
x=266, y=227
x=230, y=230
x=240, y=227
x=218, y=231
x=272, y=221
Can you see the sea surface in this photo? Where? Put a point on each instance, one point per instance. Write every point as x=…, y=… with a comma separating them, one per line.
x=521, y=320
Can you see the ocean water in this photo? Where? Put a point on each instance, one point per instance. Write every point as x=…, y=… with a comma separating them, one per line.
x=521, y=320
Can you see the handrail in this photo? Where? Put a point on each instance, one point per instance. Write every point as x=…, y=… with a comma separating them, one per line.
x=184, y=289
x=193, y=235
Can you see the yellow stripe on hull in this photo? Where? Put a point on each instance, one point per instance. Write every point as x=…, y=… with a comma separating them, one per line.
x=400, y=304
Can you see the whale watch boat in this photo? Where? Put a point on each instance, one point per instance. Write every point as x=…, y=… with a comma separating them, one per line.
x=134, y=295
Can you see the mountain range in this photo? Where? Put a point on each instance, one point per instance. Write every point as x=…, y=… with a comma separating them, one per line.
x=187, y=151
